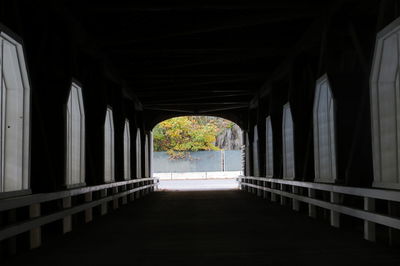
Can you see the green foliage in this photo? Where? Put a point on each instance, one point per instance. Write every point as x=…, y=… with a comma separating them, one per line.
x=181, y=135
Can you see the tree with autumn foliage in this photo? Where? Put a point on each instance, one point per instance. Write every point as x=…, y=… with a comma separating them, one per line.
x=180, y=135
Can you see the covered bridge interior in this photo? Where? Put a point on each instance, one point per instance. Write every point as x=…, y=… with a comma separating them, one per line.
x=314, y=85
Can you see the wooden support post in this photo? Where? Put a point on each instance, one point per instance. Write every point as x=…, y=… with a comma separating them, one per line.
x=146, y=190
x=115, y=201
x=312, y=210
x=259, y=191
x=88, y=212
x=137, y=193
x=35, y=235
x=283, y=199
x=67, y=220
x=369, y=227
x=273, y=195
x=265, y=193
x=132, y=195
x=268, y=194
x=142, y=191
x=103, y=194
x=295, y=203
x=124, y=198
x=335, y=216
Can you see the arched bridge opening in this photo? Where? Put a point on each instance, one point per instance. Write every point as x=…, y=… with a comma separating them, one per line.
x=197, y=153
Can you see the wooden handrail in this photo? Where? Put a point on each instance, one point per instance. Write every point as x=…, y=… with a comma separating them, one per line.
x=17, y=202
x=384, y=194
x=290, y=189
x=36, y=221
x=25, y=226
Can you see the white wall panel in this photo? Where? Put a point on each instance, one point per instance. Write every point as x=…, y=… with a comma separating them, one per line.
x=75, y=134
x=288, y=143
x=151, y=149
x=256, y=167
x=324, y=132
x=269, y=148
x=247, y=153
x=385, y=108
x=138, y=155
x=14, y=116
x=146, y=156
x=109, y=147
x=127, y=151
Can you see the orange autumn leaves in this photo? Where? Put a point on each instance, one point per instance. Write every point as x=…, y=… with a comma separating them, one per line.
x=180, y=135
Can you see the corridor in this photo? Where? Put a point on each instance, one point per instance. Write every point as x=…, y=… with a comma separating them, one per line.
x=227, y=227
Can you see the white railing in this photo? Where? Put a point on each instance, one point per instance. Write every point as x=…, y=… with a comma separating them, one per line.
x=70, y=204
x=294, y=190
x=198, y=175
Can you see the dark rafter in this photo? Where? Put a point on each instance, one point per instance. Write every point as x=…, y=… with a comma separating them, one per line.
x=234, y=22
x=192, y=58
x=195, y=84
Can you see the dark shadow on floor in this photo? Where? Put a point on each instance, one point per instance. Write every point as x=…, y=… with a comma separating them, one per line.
x=208, y=228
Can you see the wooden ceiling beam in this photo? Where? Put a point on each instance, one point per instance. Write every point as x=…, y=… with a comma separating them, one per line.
x=190, y=6
x=192, y=93
x=146, y=52
x=205, y=111
x=180, y=99
x=197, y=75
x=196, y=84
x=221, y=25
x=169, y=110
x=186, y=103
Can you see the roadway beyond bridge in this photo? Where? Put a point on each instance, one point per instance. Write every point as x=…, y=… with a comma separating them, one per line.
x=227, y=227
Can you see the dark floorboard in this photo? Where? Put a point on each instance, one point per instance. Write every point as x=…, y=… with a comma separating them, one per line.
x=208, y=228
